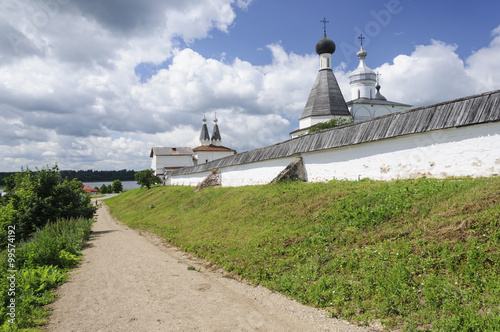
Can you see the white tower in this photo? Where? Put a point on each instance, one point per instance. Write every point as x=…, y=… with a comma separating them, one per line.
x=363, y=79
x=325, y=101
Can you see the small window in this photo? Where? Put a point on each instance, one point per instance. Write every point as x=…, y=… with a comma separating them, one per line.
x=359, y=93
x=328, y=62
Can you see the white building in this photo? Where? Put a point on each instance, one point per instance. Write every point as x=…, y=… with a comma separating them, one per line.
x=326, y=101
x=366, y=100
x=210, y=148
x=167, y=159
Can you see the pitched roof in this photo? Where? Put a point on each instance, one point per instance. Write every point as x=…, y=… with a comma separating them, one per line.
x=211, y=147
x=216, y=132
x=375, y=102
x=204, y=136
x=89, y=189
x=466, y=111
x=325, y=97
x=166, y=151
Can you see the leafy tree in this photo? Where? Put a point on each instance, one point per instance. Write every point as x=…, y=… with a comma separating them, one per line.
x=35, y=198
x=117, y=186
x=335, y=122
x=110, y=189
x=96, y=188
x=146, y=178
x=104, y=189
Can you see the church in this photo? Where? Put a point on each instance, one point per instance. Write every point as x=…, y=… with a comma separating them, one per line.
x=168, y=159
x=326, y=101
x=385, y=140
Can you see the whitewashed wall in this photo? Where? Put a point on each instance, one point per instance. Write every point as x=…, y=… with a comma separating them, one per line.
x=187, y=180
x=362, y=112
x=207, y=156
x=254, y=173
x=465, y=151
x=159, y=162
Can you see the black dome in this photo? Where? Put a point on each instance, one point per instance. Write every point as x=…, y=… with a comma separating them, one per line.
x=325, y=45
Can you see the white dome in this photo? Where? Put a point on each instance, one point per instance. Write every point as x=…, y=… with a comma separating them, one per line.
x=362, y=73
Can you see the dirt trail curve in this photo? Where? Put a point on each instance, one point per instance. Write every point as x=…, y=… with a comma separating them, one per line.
x=133, y=282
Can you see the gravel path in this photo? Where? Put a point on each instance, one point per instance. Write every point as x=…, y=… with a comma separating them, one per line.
x=134, y=282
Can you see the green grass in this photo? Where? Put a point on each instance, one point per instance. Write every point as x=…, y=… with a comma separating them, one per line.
x=41, y=265
x=414, y=254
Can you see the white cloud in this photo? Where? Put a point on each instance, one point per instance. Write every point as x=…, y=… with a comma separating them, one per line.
x=69, y=93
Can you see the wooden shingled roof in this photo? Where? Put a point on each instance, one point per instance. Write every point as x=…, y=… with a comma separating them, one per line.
x=466, y=111
x=166, y=151
x=325, y=98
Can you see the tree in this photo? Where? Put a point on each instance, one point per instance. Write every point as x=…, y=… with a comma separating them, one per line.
x=103, y=189
x=35, y=198
x=117, y=186
x=109, y=189
x=335, y=122
x=146, y=178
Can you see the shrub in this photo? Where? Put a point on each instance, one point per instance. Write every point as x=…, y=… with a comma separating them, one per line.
x=41, y=266
x=117, y=186
x=146, y=178
x=34, y=199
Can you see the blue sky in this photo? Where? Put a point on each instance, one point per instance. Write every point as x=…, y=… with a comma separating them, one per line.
x=97, y=83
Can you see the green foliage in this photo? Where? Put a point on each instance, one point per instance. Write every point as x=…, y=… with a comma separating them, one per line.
x=87, y=175
x=147, y=178
x=414, y=254
x=117, y=186
x=41, y=266
x=35, y=198
x=103, y=189
x=335, y=122
x=57, y=244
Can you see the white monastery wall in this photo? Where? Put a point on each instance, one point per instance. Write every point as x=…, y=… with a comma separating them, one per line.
x=261, y=172
x=464, y=151
x=192, y=179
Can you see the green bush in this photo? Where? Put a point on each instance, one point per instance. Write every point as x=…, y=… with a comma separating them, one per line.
x=41, y=266
x=117, y=186
x=34, y=199
x=146, y=178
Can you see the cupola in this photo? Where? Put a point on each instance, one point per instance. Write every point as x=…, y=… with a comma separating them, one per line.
x=362, y=80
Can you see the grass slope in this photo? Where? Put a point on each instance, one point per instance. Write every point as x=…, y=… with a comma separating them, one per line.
x=416, y=254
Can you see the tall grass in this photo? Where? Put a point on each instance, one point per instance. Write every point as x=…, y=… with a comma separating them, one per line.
x=415, y=254
x=41, y=266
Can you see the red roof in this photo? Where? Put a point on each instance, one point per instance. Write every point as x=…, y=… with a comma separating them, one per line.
x=211, y=148
x=89, y=189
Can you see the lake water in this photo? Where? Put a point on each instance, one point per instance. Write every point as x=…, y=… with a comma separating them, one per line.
x=127, y=185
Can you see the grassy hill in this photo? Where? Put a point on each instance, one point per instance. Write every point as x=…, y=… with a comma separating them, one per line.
x=415, y=254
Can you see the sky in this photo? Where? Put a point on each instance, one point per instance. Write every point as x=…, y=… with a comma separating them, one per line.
x=95, y=84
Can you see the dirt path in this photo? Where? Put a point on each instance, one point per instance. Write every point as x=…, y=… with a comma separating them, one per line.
x=133, y=282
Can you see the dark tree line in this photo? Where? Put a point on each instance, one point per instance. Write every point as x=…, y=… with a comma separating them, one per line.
x=87, y=175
